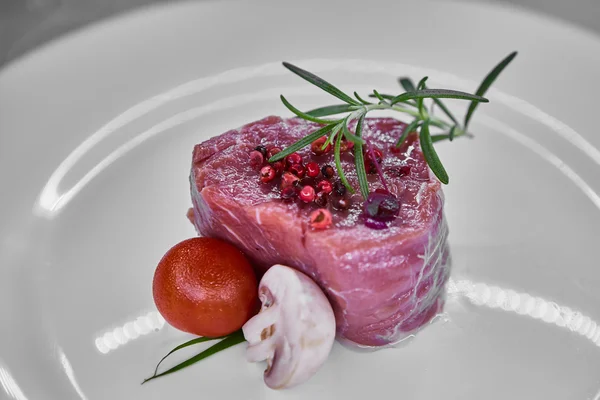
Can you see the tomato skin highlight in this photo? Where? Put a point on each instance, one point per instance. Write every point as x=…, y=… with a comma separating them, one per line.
x=206, y=287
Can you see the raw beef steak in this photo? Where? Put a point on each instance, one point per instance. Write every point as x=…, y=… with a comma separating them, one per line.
x=383, y=284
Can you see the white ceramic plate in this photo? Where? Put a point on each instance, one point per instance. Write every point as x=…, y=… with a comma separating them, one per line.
x=96, y=133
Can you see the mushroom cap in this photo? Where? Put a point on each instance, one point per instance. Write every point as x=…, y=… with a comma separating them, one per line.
x=295, y=329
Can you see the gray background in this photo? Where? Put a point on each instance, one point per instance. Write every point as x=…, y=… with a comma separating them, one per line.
x=26, y=24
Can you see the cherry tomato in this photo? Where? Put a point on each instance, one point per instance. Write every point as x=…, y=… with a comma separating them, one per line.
x=206, y=287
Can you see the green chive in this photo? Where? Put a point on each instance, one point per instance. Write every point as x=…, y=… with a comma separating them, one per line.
x=229, y=341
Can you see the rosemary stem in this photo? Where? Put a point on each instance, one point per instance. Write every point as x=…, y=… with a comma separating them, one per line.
x=439, y=123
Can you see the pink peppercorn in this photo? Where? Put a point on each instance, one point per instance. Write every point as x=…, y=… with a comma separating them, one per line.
x=312, y=169
x=298, y=170
x=278, y=166
x=288, y=180
x=346, y=145
x=320, y=219
x=327, y=171
x=325, y=186
x=307, y=194
x=292, y=159
x=272, y=151
x=321, y=199
x=256, y=159
x=316, y=146
x=267, y=174
x=288, y=193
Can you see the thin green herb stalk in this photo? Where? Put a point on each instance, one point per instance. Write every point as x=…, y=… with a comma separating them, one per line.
x=321, y=83
x=452, y=133
x=446, y=111
x=303, y=115
x=305, y=141
x=408, y=129
x=361, y=99
x=379, y=97
x=331, y=110
x=230, y=341
x=385, y=96
x=431, y=94
x=349, y=136
x=338, y=163
x=430, y=154
x=420, y=105
x=359, y=161
x=487, y=82
x=438, y=93
x=183, y=346
x=439, y=137
x=446, y=136
x=358, y=109
x=437, y=122
x=390, y=97
x=408, y=85
x=331, y=137
x=434, y=94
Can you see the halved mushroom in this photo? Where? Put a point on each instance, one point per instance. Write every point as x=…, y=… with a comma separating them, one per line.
x=294, y=330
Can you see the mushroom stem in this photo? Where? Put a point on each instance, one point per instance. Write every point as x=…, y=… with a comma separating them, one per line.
x=253, y=328
x=261, y=350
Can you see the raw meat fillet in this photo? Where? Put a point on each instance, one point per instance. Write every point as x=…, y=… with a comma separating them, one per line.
x=383, y=284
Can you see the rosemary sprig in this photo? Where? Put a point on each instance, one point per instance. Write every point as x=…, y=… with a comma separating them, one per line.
x=410, y=102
